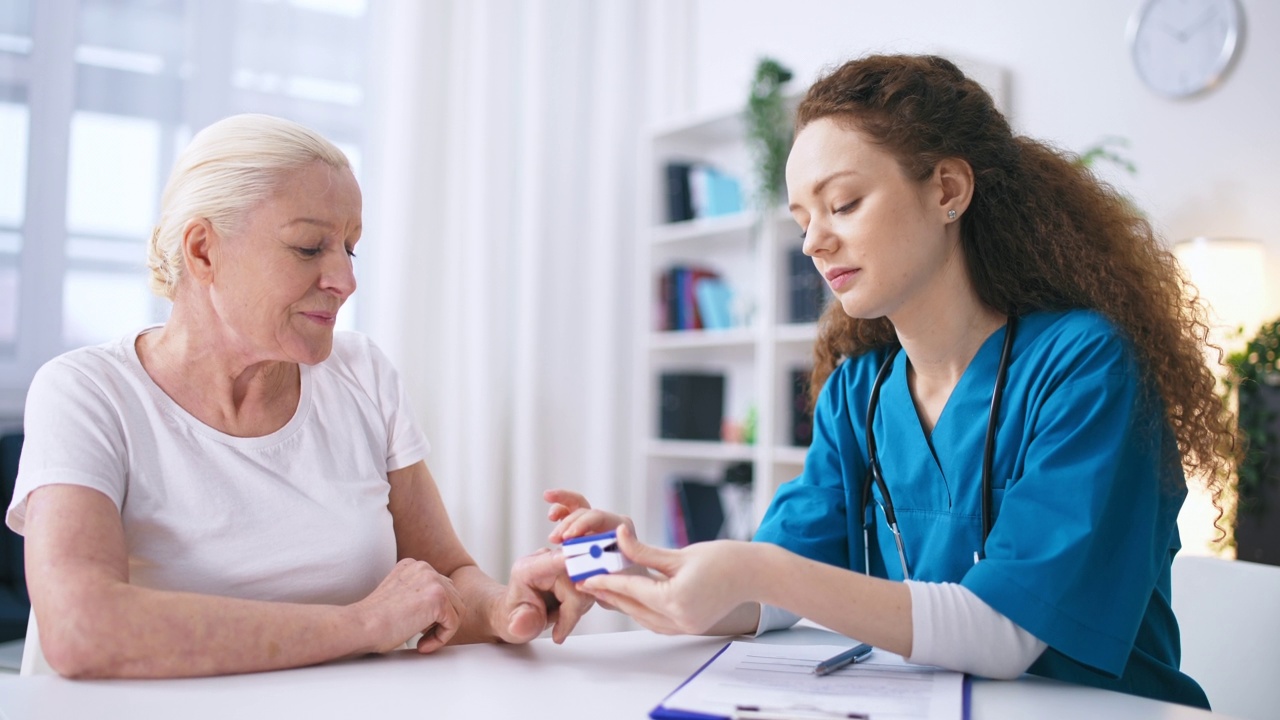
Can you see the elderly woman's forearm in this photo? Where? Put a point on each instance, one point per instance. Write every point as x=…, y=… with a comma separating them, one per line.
x=100, y=630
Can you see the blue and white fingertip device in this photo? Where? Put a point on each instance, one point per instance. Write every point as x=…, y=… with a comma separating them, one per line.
x=593, y=555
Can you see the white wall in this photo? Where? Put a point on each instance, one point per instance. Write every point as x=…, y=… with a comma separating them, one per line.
x=1206, y=166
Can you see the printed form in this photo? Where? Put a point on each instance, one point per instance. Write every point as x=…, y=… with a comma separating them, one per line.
x=780, y=678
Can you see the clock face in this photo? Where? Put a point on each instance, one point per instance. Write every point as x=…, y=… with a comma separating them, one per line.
x=1183, y=47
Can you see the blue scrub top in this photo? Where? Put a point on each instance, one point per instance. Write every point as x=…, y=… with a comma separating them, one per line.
x=1087, y=484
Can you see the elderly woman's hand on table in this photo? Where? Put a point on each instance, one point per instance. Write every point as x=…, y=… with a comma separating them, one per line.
x=413, y=599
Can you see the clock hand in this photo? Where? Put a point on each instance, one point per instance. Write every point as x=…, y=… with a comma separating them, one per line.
x=1194, y=27
x=1171, y=30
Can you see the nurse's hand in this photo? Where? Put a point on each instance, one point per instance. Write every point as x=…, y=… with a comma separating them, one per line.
x=700, y=584
x=575, y=517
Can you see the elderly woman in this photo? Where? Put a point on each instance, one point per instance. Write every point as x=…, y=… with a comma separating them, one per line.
x=242, y=488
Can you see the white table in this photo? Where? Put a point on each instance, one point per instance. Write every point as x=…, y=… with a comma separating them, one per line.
x=615, y=675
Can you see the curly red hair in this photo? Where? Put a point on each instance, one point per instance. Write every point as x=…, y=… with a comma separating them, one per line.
x=1041, y=233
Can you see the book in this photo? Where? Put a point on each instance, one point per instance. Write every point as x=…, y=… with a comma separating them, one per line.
x=684, y=304
x=736, y=496
x=701, y=509
x=676, y=532
x=713, y=192
x=714, y=299
x=662, y=312
x=691, y=405
x=806, y=289
x=801, y=414
x=679, y=199
x=691, y=316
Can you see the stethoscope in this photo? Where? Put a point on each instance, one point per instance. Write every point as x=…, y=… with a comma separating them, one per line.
x=877, y=477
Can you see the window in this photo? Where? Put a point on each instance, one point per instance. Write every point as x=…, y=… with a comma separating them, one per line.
x=97, y=97
x=13, y=173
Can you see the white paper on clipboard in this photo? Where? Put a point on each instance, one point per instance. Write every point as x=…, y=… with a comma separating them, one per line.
x=884, y=686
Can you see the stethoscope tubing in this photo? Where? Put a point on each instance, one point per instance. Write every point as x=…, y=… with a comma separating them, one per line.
x=877, y=477
x=993, y=416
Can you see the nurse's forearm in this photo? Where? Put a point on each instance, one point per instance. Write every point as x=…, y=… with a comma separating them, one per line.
x=870, y=609
x=743, y=620
x=957, y=630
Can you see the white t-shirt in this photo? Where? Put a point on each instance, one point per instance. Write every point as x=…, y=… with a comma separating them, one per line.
x=299, y=515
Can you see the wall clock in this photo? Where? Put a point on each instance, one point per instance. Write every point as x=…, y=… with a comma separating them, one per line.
x=1181, y=48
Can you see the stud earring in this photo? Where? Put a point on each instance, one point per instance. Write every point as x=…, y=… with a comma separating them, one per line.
x=951, y=214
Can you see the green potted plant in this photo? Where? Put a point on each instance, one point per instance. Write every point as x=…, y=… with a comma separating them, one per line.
x=1253, y=381
x=768, y=120
x=1108, y=149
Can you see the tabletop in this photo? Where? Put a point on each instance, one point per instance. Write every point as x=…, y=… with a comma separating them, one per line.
x=611, y=675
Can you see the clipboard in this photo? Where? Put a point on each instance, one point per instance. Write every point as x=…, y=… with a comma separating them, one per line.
x=869, y=688
x=661, y=712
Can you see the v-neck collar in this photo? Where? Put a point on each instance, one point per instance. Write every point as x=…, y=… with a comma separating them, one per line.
x=951, y=447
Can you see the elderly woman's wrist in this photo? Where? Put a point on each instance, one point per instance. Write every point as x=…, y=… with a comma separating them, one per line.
x=365, y=628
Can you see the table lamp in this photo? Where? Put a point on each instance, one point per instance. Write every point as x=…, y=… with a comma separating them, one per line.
x=1230, y=274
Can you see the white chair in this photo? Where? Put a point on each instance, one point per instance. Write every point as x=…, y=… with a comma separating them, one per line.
x=1229, y=614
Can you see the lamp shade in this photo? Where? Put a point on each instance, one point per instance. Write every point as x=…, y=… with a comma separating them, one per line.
x=1230, y=274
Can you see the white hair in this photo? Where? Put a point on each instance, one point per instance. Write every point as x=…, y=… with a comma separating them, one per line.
x=227, y=169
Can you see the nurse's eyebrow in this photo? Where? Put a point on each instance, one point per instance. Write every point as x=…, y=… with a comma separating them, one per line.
x=817, y=187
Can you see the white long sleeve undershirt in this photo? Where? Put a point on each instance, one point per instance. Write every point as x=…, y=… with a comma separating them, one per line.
x=952, y=628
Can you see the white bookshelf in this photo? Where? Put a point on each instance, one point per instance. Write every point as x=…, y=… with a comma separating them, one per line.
x=756, y=355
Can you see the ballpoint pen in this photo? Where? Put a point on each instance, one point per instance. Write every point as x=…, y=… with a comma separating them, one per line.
x=848, y=657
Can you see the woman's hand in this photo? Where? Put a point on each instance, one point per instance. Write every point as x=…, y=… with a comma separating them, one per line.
x=539, y=593
x=575, y=517
x=413, y=599
x=703, y=583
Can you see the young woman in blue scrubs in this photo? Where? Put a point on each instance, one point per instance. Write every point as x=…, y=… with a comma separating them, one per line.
x=1007, y=331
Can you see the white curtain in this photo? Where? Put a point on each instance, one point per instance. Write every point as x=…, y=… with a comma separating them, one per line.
x=504, y=171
